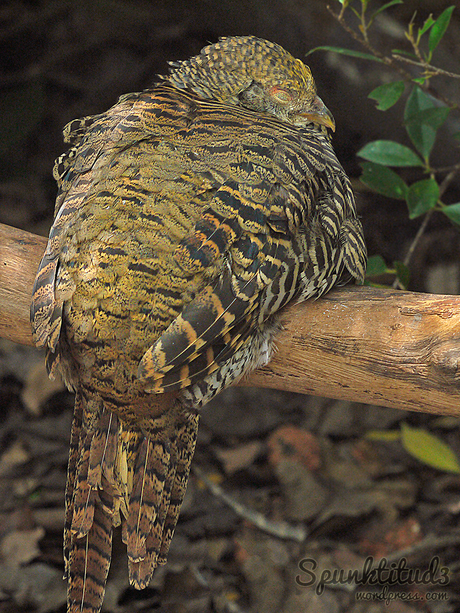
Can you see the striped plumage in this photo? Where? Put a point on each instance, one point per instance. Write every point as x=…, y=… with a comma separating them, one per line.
x=187, y=216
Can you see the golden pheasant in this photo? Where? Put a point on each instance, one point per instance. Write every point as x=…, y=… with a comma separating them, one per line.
x=187, y=216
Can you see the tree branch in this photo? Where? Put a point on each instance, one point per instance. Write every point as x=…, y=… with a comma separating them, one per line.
x=380, y=346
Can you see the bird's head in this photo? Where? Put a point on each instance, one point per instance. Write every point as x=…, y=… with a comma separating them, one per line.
x=257, y=74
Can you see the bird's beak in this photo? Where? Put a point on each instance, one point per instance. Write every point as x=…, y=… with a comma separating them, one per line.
x=319, y=113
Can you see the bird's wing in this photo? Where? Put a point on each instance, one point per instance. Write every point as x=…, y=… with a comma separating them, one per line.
x=221, y=318
x=232, y=190
x=89, y=137
x=287, y=202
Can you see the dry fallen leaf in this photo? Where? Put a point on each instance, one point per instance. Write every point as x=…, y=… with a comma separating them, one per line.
x=21, y=546
x=239, y=457
x=296, y=444
x=39, y=387
x=15, y=455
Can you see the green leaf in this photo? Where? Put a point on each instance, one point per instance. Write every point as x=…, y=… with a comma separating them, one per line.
x=376, y=266
x=350, y=52
x=383, y=435
x=403, y=52
x=434, y=117
x=429, y=449
x=421, y=197
x=389, y=153
x=387, y=95
x=424, y=125
x=453, y=212
x=353, y=10
x=402, y=272
x=385, y=7
x=429, y=21
x=439, y=28
x=456, y=135
x=418, y=101
x=383, y=180
x=422, y=133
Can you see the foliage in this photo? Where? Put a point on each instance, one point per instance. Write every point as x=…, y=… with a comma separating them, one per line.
x=425, y=112
x=421, y=445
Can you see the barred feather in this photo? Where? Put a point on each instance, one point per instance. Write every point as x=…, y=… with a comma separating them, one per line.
x=187, y=216
x=89, y=564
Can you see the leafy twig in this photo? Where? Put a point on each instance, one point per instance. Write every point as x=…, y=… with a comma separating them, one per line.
x=391, y=61
x=367, y=45
x=424, y=65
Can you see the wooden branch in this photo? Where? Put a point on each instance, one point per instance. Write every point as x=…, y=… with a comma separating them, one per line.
x=20, y=255
x=385, y=347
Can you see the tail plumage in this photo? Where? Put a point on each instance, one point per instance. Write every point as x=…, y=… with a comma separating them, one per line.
x=118, y=474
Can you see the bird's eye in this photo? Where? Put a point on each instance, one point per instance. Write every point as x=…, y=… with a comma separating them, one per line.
x=280, y=95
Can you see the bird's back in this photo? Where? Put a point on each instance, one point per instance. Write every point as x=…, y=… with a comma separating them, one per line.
x=165, y=195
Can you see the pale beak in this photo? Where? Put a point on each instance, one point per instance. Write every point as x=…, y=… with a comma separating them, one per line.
x=319, y=113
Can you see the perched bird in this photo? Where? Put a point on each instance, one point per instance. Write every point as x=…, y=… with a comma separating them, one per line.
x=187, y=216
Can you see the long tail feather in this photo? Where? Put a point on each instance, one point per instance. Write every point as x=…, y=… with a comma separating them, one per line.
x=103, y=449
x=89, y=506
x=116, y=469
x=141, y=567
x=186, y=441
x=84, y=495
x=175, y=477
x=150, y=475
x=140, y=573
x=89, y=565
x=71, y=477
